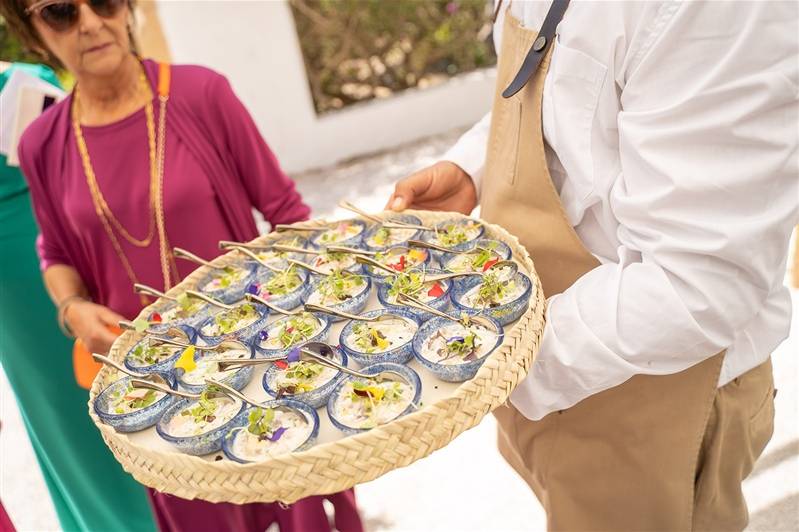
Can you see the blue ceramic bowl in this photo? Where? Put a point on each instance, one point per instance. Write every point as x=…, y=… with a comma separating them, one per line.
x=165, y=365
x=315, y=398
x=138, y=419
x=263, y=352
x=318, y=241
x=410, y=374
x=243, y=334
x=237, y=379
x=235, y=291
x=353, y=305
x=412, y=234
x=201, y=444
x=504, y=314
x=240, y=423
x=287, y=301
x=451, y=372
x=380, y=275
x=430, y=236
x=440, y=303
x=398, y=355
x=501, y=249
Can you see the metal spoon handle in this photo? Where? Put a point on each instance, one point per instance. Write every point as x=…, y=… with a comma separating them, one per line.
x=413, y=302
x=232, y=392
x=267, y=304
x=116, y=365
x=428, y=245
x=344, y=204
x=188, y=255
x=225, y=365
x=255, y=257
x=149, y=290
x=360, y=259
x=307, y=267
x=285, y=227
x=447, y=276
x=352, y=251
x=199, y=295
x=228, y=244
x=324, y=361
x=310, y=307
x=402, y=225
x=293, y=249
x=139, y=383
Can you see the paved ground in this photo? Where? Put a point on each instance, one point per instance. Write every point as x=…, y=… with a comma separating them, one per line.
x=469, y=474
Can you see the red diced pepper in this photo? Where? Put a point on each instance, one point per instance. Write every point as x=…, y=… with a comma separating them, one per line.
x=155, y=317
x=436, y=291
x=490, y=263
x=281, y=364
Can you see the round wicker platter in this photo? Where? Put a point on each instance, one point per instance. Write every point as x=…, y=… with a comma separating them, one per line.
x=336, y=462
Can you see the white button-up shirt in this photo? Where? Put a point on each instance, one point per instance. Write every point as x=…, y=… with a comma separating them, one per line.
x=673, y=132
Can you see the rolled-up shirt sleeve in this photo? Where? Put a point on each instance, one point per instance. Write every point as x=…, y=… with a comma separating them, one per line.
x=706, y=200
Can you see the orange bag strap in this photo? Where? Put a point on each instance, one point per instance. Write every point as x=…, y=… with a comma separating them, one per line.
x=164, y=79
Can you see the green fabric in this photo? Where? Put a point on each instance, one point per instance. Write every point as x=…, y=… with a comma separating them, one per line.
x=89, y=489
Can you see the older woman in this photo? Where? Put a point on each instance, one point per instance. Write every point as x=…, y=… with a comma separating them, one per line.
x=142, y=157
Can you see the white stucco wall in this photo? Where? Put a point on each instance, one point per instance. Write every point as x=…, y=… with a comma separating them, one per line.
x=254, y=43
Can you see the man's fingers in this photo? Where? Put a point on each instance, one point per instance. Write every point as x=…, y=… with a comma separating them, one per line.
x=409, y=190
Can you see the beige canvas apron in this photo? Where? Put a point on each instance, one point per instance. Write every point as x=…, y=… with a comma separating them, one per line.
x=627, y=458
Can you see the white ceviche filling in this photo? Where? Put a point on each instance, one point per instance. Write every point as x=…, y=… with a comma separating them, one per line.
x=457, y=344
x=270, y=432
x=365, y=404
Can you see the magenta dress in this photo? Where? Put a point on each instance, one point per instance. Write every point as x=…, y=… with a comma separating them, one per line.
x=217, y=169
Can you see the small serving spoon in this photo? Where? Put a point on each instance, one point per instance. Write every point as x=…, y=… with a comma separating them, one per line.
x=361, y=259
x=188, y=255
x=208, y=299
x=294, y=249
x=256, y=258
x=499, y=264
x=436, y=247
x=465, y=321
x=320, y=358
x=310, y=307
x=119, y=367
x=171, y=331
x=141, y=383
x=150, y=291
x=307, y=267
x=235, y=394
x=390, y=224
x=226, y=345
x=351, y=251
x=270, y=306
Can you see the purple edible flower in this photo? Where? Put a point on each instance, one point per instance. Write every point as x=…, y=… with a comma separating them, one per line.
x=277, y=434
x=253, y=289
x=294, y=355
x=263, y=335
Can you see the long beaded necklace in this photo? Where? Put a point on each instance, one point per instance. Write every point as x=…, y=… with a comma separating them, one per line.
x=156, y=222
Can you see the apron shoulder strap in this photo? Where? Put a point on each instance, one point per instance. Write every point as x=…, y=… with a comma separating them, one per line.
x=546, y=35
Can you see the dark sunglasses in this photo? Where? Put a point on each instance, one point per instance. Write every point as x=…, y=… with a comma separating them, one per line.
x=62, y=15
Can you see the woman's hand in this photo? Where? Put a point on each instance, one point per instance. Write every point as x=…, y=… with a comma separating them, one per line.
x=89, y=322
x=441, y=187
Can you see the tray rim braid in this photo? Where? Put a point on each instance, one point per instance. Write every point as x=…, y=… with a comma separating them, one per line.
x=338, y=465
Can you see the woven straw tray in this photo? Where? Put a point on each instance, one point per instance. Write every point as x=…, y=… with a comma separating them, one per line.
x=336, y=462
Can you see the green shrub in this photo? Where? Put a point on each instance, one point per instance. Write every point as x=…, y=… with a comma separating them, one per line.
x=356, y=50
